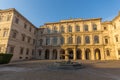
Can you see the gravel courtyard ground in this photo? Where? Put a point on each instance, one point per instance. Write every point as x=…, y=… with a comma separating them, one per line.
x=38, y=70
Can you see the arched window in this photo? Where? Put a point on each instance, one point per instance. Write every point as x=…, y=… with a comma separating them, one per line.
x=85, y=27
x=69, y=28
x=87, y=39
x=70, y=40
x=54, y=40
x=62, y=29
x=94, y=27
x=96, y=39
x=55, y=29
x=77, y=28
x=47, y=41
x=78, y=40
x=62, y=40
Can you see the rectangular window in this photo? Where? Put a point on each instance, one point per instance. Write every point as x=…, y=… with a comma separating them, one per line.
x=105, y=28
x=33, y=41
x=106, y=41
x=23, y=37
x=85, y=27
x=8, y=18
x=14, y=35
x=118, y=52
x=16, y=20
x=29, y=39
x=11, y=49
x=108, y=52
x=30, y=29
x=21, y=50
x=33, y=52
x=25, y=26
x=27, y=51
x=116, y=39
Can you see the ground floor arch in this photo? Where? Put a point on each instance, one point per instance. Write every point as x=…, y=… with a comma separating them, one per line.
x=62, y=54
x=70, y=52
x=78, y=54
x=54, y=54
x=97, y=54
x=47, y=53
x=87, y=54
x=74, y=54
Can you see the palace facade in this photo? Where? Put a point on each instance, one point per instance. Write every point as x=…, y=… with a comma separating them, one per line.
x=81, y=39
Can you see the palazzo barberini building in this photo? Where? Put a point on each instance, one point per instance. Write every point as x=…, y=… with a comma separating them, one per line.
x=81, y=39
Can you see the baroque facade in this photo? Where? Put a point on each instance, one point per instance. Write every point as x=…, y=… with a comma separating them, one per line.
x=81, y=39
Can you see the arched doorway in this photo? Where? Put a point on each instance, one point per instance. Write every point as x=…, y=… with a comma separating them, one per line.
x=70, y=51
x=46, y=54
x=54, y=56
x=79, y=54
x=62, y=54
x=97, y=54
x=87, y=54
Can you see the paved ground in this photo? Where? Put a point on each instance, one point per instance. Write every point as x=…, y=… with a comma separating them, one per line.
x=38, y=70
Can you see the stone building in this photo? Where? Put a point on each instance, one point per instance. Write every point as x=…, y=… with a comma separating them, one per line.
x=17, y=35
x=81, y=39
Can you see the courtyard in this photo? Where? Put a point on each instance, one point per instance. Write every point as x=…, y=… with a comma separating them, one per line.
x=38, y=70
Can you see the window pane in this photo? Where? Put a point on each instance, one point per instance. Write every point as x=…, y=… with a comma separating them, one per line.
x=77, y=28
x=62, y=40
x=87, y=39
x=70, y=29
x=70, y=40
x=85, y=27
x=94, y=27
x=96, y=39
x=78, y=40
x=54, y=40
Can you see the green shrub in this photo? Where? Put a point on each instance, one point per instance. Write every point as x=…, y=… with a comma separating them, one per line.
x=5, y=58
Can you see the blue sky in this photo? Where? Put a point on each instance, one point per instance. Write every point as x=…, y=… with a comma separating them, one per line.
x=41, y=11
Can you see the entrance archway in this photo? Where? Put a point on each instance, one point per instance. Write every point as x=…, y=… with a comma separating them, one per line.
x=54, y=56
x=87, y=54
x=62, y=54
x=97, y=54
x=79, y=54
x=46, y=54
x=70, y=51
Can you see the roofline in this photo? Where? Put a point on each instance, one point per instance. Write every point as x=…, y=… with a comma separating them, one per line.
x=14, y=10
x=73, y=21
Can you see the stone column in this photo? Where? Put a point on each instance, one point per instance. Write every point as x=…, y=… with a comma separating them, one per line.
x=74, y=54
x=50, y=54
x=65, y=39
x=58, y=42
x=43, y=54
x=51, y=40
x=82, y=39
x=44, y=41
x=83, y=54
x=74, y=39
x=58, y=54
x=102, y=54
x=92, y=54
x=66, y=53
